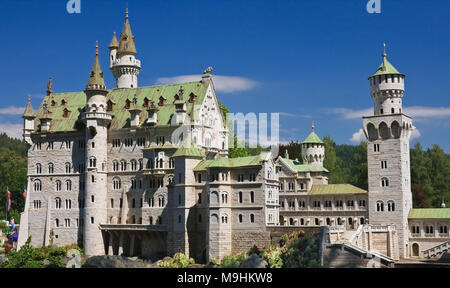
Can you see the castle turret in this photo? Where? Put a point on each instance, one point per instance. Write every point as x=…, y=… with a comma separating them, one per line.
x=313, y=150
x=125, y=67
x=135, y=112
x=28, y=122
x=388, y=133
x=96, y=120
x=113, y=47
x=387, y=87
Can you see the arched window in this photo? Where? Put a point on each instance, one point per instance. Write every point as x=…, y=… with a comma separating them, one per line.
x=214, y=219
x=37, y=185
x=38, y=168
x=384, y=130
x=56, y=222
x=391, y=206
x=133, y=165
x=161, y=201
x=302, y=221
x=252, y=197
x=339, y=221
x=117, y=184
x=123, y=165
x=58, y=185
x=240, y=197
x=68, y=204
x=224, y=197
x=252, y=218
x=362, y=221
x=92, y=162
x=384, y=182
x=214, y=197
x=328, y=221
x=241, y=218
x=51, y=169
x=291, y=221
x=380, y=206
x=68, y=185
x=58, y=203
x=68, y=168
x=224, y=218
x=115, y=165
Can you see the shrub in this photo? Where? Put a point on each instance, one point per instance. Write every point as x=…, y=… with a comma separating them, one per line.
x=30, y=257
x=179, y=260
x=229, y=262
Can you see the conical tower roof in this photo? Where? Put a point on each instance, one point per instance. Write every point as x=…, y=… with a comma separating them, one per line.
x=312, y=138
x=126, y=45
x=96, y=81
x=386, y=67
x=29, y=112
x=114, y=43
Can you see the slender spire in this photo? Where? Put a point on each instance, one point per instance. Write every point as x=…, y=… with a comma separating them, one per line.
x=126, y=45
x=49, y=86
x=384, y=58
x=312, y=126
x=29, y=111
x=96, y=82
x=114, y=43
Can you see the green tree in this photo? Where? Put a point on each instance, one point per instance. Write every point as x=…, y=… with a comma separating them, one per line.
x=333, y=163
x=358, y=176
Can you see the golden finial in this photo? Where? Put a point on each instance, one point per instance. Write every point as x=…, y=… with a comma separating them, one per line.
x=126, y=13
x=96, y=48
x=313, y=126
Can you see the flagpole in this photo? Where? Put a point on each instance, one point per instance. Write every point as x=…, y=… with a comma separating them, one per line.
x=6, y=214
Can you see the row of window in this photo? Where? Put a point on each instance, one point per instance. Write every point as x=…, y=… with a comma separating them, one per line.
x=327, y=203
x=381, y=205
x=328, y=221
x=67, y=144
x=224, y=218
x=429, y=229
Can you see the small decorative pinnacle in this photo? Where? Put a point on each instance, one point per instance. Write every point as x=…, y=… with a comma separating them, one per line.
x=312, y=126
x=126, y=13
x=135, y=99
x=96, y=48
x=181, y=92
x=208, y=70
x=45, y=108
x=49, y=86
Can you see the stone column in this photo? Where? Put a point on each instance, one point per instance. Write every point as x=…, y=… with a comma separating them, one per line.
x=132, y=237
x=120, y=252
x=110, y=244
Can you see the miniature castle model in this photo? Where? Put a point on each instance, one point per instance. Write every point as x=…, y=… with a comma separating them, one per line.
x=145, y=171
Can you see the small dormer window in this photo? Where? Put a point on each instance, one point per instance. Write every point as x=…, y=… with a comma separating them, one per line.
x=109, y=106
x=66, y=113
x=192, y=98
x=53, y=103
x=127, y=103
x=63, y=102
x=146, y=102
x=162, y=101
x=177, y=97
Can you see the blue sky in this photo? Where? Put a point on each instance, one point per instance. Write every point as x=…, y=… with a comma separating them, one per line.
x=308, y=60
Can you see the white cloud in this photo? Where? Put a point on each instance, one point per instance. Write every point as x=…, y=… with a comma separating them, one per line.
x=225, y=84
x=294, y=115
x=415, y=134
x=350, y=113
x=12, y=130
x=357, y=137
x=12, y=110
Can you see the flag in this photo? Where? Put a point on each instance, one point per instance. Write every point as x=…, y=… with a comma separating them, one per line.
x=24, y=193
x=9, y=201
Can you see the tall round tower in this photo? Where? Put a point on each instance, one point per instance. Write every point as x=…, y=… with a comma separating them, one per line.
x=124, y=65
x=313, y=150
x=96, y=120
x=387, y=87
x=388, y=132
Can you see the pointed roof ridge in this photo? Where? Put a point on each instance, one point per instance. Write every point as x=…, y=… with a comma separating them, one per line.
x=312, y=137
x=29, y=111
x=386, y=67
x=126, y=44
x=96, y=81
x=114, y=43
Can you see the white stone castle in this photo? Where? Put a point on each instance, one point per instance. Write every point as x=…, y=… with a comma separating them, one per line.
x=144, y=171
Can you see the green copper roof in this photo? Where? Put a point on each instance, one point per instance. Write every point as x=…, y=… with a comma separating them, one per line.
x=429, y=213
x=191, y=151
x=76, y=101
x=334, y=189
x=386, y=67
x=300, y=167
x=230, y=162
x=312, y=139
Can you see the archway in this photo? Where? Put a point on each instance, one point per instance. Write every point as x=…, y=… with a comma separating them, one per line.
x=415, y=249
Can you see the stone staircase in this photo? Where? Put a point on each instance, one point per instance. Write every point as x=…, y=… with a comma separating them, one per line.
x=437, y=250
